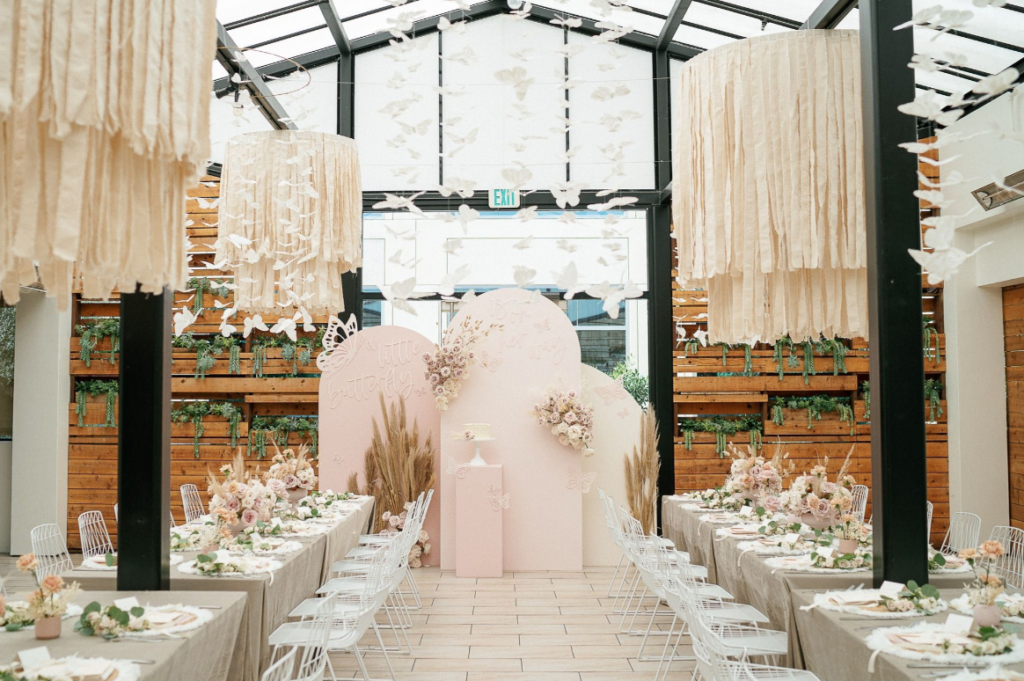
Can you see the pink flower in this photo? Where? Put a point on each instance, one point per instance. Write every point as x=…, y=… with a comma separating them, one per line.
x=249, y=516
x=426, y=356
x=394, y=521
x=291, y=482
x=234, y=504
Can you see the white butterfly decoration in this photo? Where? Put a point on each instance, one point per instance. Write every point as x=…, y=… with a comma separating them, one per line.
x=613, y=295
x=568, y=279
x=518, y=78
x=391, y=201
x=523, y=275
x=938, y=18
x=497, y=499
x=465, y=56
x=456, y=185
x=526, y=214
x=207, y=204
x=997, y=84
x=614, y=202
x=945, y=259
x=399, y=293
x=451, y=246
x=517, y=177
x=568, y=22
x=443, y=24
x=566, y=194
x=467, y=215
x=613, y=123
x=605, y=93
x=567, y=245
x=702, y=336
x=580, y=482
x=182, y=320
x=457, y=469
x=447, y=287
x=927, y=105
x=287, y=326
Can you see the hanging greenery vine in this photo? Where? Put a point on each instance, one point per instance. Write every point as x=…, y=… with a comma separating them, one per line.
x=722, y=427
x=93, y=332
x=778, y=354
x=194, y=412
x=826, y=346
x=931, y=337
x=7, y=323
x=207, y=351
x=84, y=389
x=815, y=405
x=932, y=393
x=299, y=352
x=277, y=429
x=202, y=285
x=865, y=388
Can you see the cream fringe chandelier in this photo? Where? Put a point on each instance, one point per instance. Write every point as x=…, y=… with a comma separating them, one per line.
x=768, y=190
x=104, y=122
x=290, y=220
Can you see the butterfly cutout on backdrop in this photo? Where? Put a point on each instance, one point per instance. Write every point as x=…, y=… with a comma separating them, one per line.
x=611, y=393
x=457, y=469
x=497, y=499
x=489, y=362
x=581, y=482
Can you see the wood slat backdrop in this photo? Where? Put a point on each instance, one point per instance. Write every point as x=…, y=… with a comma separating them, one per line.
x=1013, y=338
x=92, y=455
x=700, y=393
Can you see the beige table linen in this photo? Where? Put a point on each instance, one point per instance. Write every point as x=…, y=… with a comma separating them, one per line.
x=271, y=596
x=208, y=653
x=834, y=646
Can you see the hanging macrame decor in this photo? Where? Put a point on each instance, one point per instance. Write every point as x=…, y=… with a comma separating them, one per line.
x=104, y=122
x=768, y=190
x=290, y=220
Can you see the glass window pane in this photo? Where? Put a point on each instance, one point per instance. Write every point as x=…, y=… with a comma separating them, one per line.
x=371, y=313
x=276, y=27
x=292, y=47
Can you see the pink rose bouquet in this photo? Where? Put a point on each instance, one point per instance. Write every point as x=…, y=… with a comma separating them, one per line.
x=239, y=497
x=291, y=471
x=448, y=366
x=570, y=420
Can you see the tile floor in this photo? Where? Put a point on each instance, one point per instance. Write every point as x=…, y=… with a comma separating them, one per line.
x=525, y=626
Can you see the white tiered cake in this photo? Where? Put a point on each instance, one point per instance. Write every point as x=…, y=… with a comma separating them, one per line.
x=481, y=431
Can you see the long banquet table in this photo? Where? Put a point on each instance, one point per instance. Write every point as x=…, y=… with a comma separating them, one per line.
x=749, y=578
x=205, y=653
x=834, y=646
x=270, y=596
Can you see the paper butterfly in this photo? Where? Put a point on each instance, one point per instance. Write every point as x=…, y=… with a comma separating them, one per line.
x=497, y=499
x=489, y=362
x=421, y=391
x=337, y=331
x=338, y=458
x=458, y=469
x=583, y=482
x=611, y=393
x=623, y=414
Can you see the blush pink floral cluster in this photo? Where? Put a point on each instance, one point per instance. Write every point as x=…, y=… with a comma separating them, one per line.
x=570, y=420
x=448, y=366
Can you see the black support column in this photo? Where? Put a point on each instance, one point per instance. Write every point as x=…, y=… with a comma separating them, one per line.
x=144, y=443
x=899, y=482
x=352, y=282
x=659, y=275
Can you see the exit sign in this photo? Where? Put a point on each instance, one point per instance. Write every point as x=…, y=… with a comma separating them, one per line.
x=503, y=198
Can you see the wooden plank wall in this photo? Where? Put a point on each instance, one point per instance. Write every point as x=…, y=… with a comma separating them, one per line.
x=705, y=387
x=1013, y=330
x=92, y=455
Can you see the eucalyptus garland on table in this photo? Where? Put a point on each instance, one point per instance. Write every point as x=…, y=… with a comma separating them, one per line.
x=95, y=388
x=207, y=351
x=276, y=429
x=932, y=393
x=722, y=428
x=93, y=332
x=815, y=405
x=203, y=285
x=193, y=412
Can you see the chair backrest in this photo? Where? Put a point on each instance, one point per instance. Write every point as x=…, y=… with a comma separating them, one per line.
x=963, y=533
x=1011, y=565
x=192, y=502
x=860, y=501
x=931, y=510
x=93, y=530
x=314, y=652
x=282, y=669
x=50, y=550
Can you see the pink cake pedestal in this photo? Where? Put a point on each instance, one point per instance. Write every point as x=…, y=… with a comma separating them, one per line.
x=479, y=505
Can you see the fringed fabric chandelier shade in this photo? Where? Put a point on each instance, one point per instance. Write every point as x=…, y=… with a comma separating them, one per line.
x=104, y=122
x=290, y=220
x=768, y=198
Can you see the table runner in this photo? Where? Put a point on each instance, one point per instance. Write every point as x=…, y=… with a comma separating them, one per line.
x=834, y=647
x=207, y=653
x=270, y=596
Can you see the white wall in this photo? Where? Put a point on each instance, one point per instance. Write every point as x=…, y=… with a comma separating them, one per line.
x=42, y=390
x=975, y=377
x=5, y=496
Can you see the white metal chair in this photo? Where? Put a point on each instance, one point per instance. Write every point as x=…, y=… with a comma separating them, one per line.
x=1011, y=566
x=931, y=510
x=282, y=669
x=193, y=503
x=92, y=528
x=50, y=550
x=963, y=533
x=860, y=501
x=312, y=636
x=712, y=667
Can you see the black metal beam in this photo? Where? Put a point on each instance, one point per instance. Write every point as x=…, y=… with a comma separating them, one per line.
x=144, y=443
x=280, y=69
x=281, y=11
x=829, y=13
x=659, y=341
x=351, y=282
x=753, y=13
x=333, y=20
x=898, y=456
x=251, y=81
x=672, y=22
x=542, y=199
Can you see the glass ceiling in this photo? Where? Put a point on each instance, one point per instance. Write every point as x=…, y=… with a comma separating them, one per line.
x=286, y=29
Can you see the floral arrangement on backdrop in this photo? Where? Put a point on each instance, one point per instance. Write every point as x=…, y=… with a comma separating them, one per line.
x=240, y=500
x=570, y=420
x=448, y=366
x=395, y=523
x=755, y=479
x=817, y=500
x=290, y=472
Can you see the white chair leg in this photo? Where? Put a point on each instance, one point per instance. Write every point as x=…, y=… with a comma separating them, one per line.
x=618, y=566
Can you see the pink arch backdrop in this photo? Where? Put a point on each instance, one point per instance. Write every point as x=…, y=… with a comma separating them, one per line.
x=536, y=349
x=384, y=360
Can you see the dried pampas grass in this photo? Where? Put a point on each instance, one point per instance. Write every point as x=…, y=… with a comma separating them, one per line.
x=396, y=466
x=642, y=468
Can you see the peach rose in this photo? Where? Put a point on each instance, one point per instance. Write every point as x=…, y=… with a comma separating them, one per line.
x=968, y=554
x=3, y=605
x=28, y=562
x=991, y=549
x=51, y=584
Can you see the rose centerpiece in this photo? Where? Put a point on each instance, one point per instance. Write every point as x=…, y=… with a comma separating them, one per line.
x=816, y=501
x=49, y=601
x=240, y=500
x=570, y=420
x=986, y=587
x=291, y=476
x=755, y=479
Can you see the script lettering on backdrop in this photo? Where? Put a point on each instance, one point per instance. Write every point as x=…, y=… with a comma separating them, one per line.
x=394, y=378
